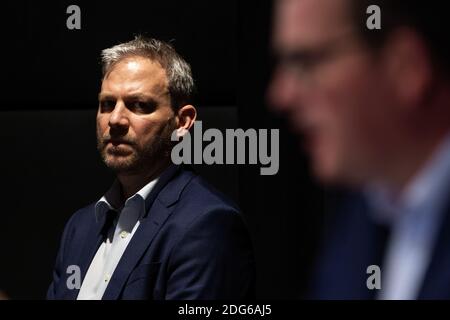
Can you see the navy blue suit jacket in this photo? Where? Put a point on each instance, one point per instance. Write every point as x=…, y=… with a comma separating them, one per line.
x=192, y=244
x=354, y=242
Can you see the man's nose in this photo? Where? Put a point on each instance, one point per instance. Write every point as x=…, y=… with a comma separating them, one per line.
x=119, y=116
x=283, y=93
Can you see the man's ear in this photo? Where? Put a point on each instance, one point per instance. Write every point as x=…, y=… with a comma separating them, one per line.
x=409, y=66
x=186, y=116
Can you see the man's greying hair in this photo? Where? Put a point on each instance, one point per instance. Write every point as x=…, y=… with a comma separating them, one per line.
x=179, y=75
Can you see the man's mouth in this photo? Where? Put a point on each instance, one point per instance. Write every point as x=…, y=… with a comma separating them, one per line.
x=117, y=142
x=118, y=147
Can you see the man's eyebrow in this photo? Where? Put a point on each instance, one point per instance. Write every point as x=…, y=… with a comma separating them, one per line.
x=133, y=97
x=139, y=96
x=102, y=96
x=296, y=53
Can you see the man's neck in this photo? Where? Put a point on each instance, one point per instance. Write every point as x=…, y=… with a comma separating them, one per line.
x=417, y=139
x=133, y=182
x=413, y=160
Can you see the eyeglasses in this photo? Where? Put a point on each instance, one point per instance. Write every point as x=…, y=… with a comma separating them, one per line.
x=304, y=63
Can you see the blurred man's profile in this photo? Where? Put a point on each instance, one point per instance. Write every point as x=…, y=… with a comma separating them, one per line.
x=373, y=108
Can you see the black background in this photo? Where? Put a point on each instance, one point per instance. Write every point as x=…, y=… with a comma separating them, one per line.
x=49, y=164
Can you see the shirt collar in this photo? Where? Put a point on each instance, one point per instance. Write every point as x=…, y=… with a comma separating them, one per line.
x=427, y=192
x=142, y=199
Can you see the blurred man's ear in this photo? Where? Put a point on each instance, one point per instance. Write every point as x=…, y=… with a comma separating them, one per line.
x=409, y=67
x=186, y=116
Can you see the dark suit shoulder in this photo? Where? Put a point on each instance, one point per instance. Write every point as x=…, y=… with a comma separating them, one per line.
x=85, y=214
x=80, y=221
x=207, y=194
x=200, y=203
x=199, y=197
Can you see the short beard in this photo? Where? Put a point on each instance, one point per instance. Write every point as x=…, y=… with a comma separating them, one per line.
x=144, y=158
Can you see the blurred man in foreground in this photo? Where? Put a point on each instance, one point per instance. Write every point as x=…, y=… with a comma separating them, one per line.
x=373, y=107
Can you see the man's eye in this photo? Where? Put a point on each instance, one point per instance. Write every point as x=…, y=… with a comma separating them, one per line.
x=305, y=62
x=301, y=64
x=107, y=105
x=141, y=106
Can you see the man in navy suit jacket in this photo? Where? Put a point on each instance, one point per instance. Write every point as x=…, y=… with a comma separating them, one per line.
x=191, y=244
x=354, y=241
x=160, y=232
x=367, y=83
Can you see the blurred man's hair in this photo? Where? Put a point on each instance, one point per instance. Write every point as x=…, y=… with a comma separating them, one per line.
x=179, y=75
x=428, y=18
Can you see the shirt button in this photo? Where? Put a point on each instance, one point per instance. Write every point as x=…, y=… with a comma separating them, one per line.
x=123, y=234
x=107, y=277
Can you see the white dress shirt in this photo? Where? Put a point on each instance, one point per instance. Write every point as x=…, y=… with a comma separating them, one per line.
x=111, y=250
x=414, y=218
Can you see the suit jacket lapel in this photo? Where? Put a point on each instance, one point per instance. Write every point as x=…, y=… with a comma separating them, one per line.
x=92, y=242
x=163, y=196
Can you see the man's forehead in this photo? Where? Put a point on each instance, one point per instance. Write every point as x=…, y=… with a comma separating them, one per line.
x=309, y=21
x=135, y=75
x=137, y=67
